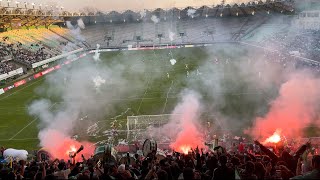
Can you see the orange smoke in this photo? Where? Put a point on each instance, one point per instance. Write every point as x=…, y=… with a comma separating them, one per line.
x=295, y=108
x=275, y=138
x=60, y=145
x=188, y=135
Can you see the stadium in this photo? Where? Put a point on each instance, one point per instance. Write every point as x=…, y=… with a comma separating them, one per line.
x=136, y=93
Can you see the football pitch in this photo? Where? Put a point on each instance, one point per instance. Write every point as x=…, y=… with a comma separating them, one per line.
x=162, y=84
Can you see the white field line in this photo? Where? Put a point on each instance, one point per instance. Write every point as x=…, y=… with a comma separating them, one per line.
x=165, y=104
x=145, y=92
x=29, y=123
x=20, y=89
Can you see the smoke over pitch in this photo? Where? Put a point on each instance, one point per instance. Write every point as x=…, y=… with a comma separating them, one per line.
x=183, y=129
x=296, y=107
x=185, y=126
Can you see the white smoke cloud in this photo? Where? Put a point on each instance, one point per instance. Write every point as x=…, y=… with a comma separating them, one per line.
x=81, y=24
x=96, y=55
x=171, y=35
x=143, y=13
x=155, y=19
x=183, y=129
x=191, y=12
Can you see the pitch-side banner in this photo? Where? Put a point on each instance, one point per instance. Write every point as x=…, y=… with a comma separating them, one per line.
x=1, y=91
x=19, y=83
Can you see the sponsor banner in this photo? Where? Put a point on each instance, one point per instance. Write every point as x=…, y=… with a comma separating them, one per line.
x=37, y=75
x=1, y=91
x=8, y=88
x=146, y=48
x=82, y=55
x=57, y=67
x=172, y=47
x=188, y=46
x=47, y=71
x=67, y=62
x=19, y=83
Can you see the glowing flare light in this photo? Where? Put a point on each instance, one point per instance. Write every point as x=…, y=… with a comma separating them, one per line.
x=275, y=138
x=184, y=149
x=72, y=149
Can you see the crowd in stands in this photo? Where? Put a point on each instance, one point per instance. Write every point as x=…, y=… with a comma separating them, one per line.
x=307, y=43
x=33, y=45
x=248, y=161
x=5, y=52
x=5, y=67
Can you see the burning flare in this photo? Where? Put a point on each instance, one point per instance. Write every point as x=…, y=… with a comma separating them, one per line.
x=184, y=149
x=275, y=138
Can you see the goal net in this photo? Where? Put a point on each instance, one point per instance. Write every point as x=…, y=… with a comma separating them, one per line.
x=137, y=126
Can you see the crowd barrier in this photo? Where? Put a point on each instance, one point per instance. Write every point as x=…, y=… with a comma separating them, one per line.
x=40, y=74
x=37, y=64
x=11, y=74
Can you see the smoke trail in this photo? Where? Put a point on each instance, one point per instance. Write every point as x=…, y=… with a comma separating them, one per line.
x=188, y=135
x=171, y=35
x=183, y=128
x=296, y=108
x=81, y=24
x=87, y=88
x=96, y=56
x=191, y=12
x=155, y=19
x=143, y=14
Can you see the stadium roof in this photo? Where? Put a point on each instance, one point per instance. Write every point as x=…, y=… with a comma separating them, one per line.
x=45, y=16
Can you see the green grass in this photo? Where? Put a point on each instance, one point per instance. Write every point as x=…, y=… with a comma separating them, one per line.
x=19, y=130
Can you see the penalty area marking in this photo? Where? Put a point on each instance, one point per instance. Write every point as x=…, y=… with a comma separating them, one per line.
x=29, y=123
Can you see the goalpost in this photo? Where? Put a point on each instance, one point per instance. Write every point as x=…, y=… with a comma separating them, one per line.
x=137, y=125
